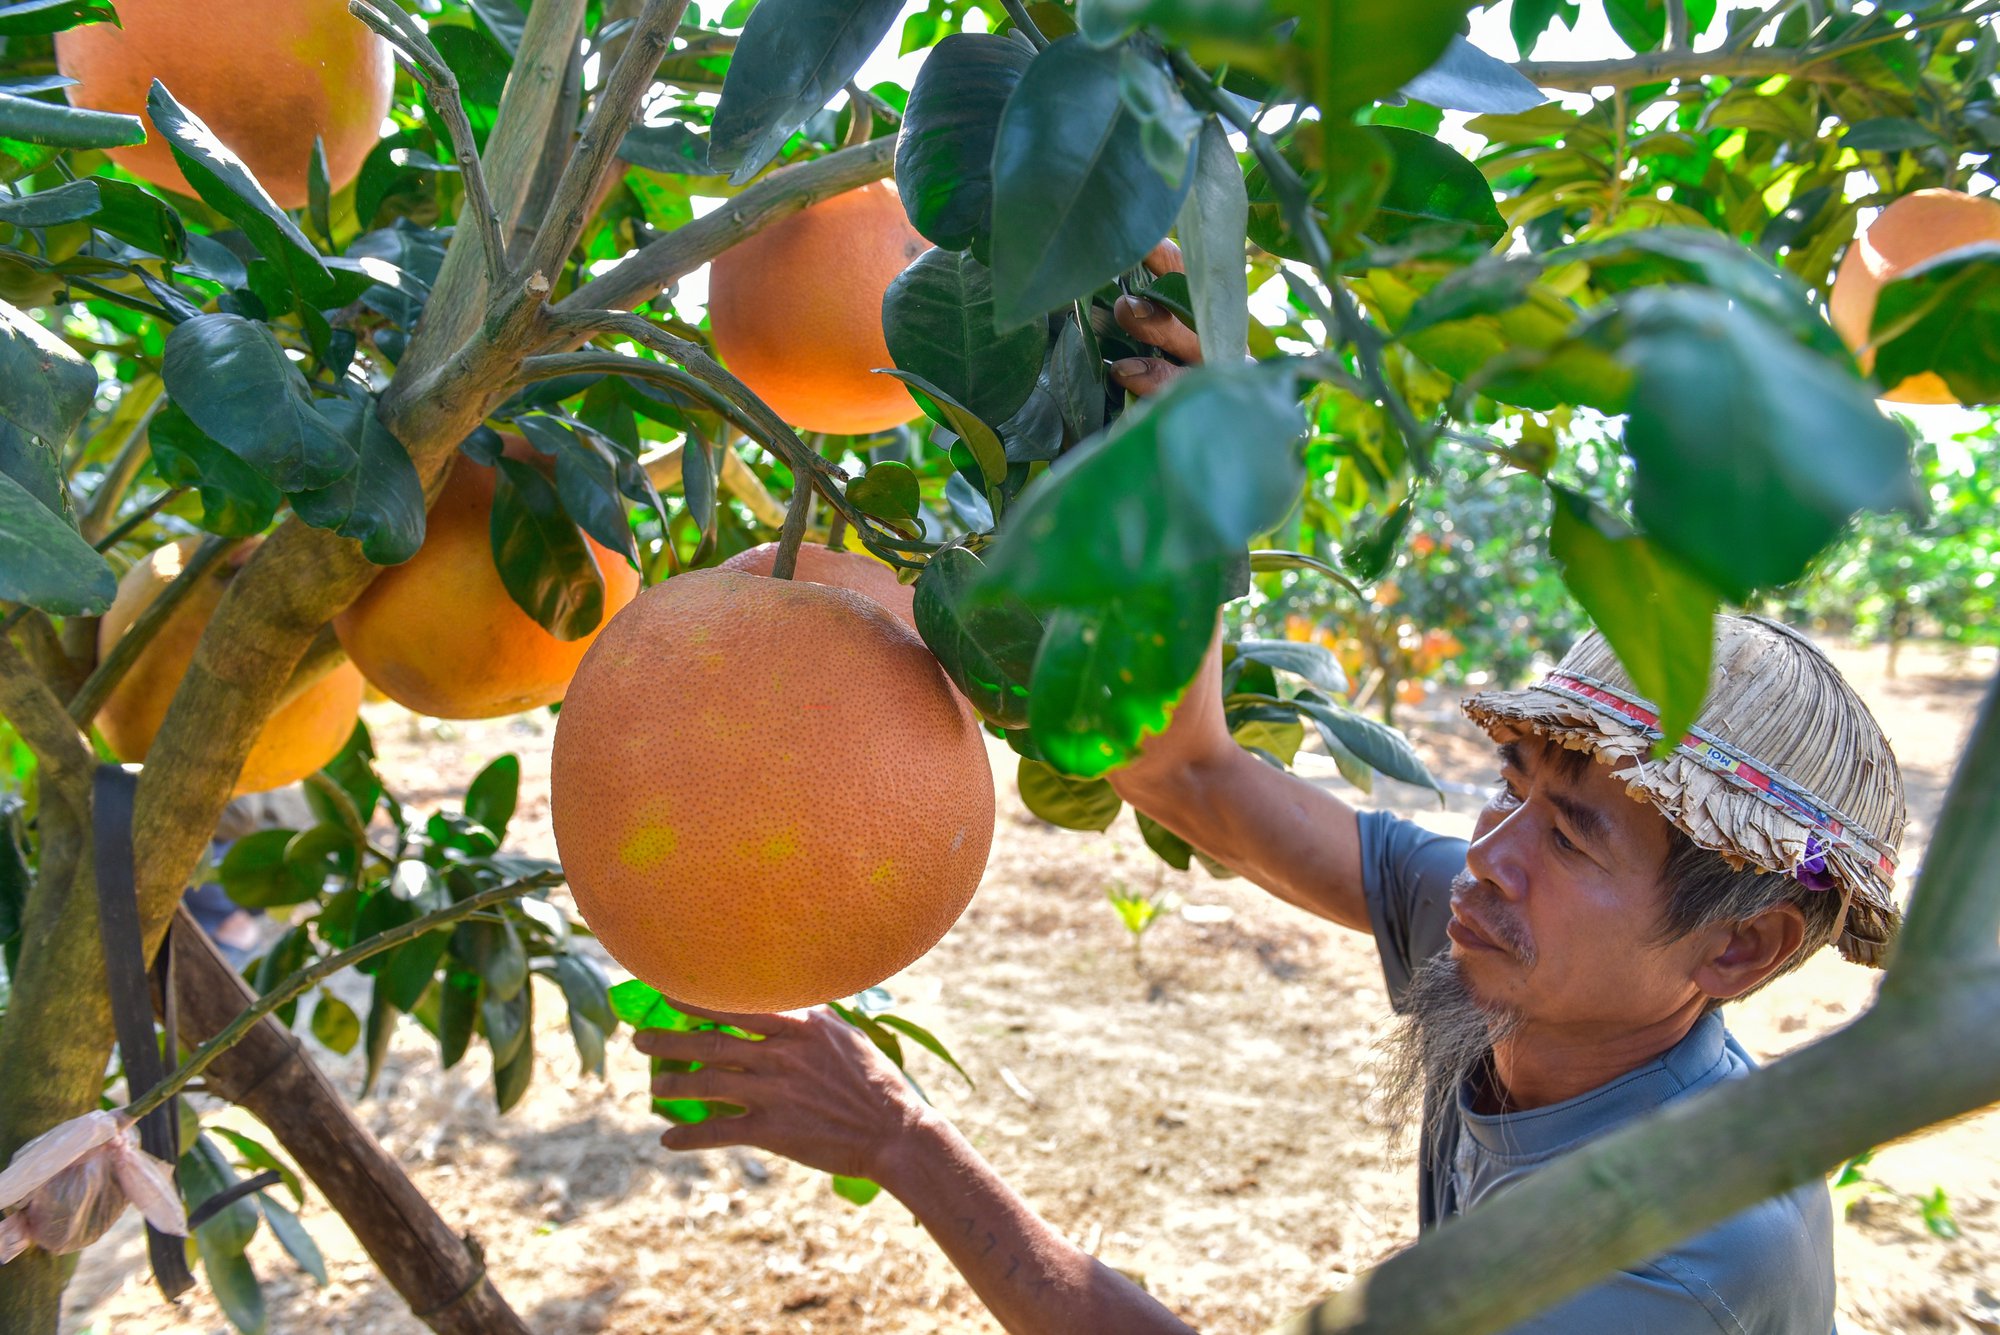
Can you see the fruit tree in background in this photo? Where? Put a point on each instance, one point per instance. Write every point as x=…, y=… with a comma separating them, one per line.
x=417, y=396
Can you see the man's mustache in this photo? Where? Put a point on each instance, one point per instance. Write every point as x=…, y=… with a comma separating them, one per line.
x=1495, y=917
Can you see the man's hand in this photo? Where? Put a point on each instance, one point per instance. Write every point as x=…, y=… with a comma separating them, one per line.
x=1155, y=325
x=814, y=1089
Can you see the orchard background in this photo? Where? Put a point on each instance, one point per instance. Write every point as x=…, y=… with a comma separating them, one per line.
x=1492, y=349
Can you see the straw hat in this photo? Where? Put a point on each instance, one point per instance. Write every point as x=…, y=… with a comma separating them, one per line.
x=1784, y=769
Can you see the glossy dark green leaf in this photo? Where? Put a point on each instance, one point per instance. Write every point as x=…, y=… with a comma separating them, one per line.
x=944, y=153
x=228, y=187
x=231, y=376
x=1432, y=189
x=1943, y=316
x=32, y=18
x=938, y=319
x=335, y=1024
x=1342, y=198
x=1642, y=24
x=45, y=388
x=38, y=468
x=58, y=125
x=237, y=1290
x=66, y=203
x=140, y=219
x=1182, y=505
x=986, y=647
x=1465, y=78
x=1527, y=20
x=1314, y=662
x=407, y=971
x=1658, y=616
x=505, y=1022
x=236, y=501
x=44, y=563
x=1249, y=25
x=1173, y=850
x=490, y=798
x=1167, y=124
x=1076, y=380
x=1751, y=451
x=1889, y=134
x=888, y=490
x=1074, y=804
x=512, y=1078
x=672, y=148
x=981, y=439
x=380, y=503
x=1075, y=200
x=548, y=569
x=1378, y=745
x=205, y=1173
x=1034, y=434
x=458, y=1009
x=589, y=1040
x=376, y=1033
x=494, y=951
x=793, y=56
x=481, y=65
x=585, y=988
x=587, y=483
x=504, y=20
x=259, y=1157
x=1212, y=227
x=292, y=1236
x=1375, y=48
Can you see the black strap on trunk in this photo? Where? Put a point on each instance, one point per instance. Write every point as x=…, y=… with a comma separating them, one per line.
x=128, y=983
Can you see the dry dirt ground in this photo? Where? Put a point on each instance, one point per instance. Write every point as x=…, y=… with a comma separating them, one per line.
x=1201, y=1121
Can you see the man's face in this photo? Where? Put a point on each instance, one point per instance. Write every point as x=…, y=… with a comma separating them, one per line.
x=1556, y=914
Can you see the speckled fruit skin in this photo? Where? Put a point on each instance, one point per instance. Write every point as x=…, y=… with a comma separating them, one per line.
x=265, y=75
x=296, y=740
x=840, y=570
x=1909, y=231
x=439, y=634
x=796, y=311
x=764, y=792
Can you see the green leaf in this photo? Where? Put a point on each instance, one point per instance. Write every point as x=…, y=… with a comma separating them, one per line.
x=504, y=20
x=1642, y=24
x=1433, y=191
x=543, y=560
x=236, y=501
x=589, y=1040
x=510, y=1029
x=1750, y=451
x=1658, y=617
x=1345, y=171
x=924, y=1039
x=1888, y=134
x=56, y=125
x=1173, y=850
x=888, y=490
x=407, y=971
x=1182, y=504
x=228, y=187
x=237, y=1290
x=637, y=1004
x=381, y=1027
x=45, y=388
x=982, y=440
x=986, y=647
x=1103, y=22
x=380, y=503
x=1074, y=804
x=938, y=319
x=1314, y=662
x=1167, y=124
x=1376, y=745
x=1107, y=677
x=587, y=483
x=1374, y=49
x=494, y=951
x=1075, y=200
x=585, y=988
x=944, y=153
x=1212, y=226
x=458, y=1008
x=856, y=1190
x=1527, y=20
x=793, y=56
x=38, y=468
x=1465, y=78
x=65, y=203
x=490, y=798
x=140, y=219
x=43, y=562
x=260, y=1157
x=32, y=18
x=231, y=376
x=335, y=1024
x=292, y=1236
x=1943, y=316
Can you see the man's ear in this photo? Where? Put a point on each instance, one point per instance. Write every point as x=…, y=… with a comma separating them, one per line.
x=1740, y=955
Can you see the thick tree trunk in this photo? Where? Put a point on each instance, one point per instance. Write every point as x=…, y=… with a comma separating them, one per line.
x=439, y=1274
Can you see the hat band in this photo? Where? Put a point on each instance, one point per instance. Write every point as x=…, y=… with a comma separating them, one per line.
x=1719, y=756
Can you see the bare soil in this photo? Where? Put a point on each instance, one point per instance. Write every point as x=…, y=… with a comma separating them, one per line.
x=1197, y=1116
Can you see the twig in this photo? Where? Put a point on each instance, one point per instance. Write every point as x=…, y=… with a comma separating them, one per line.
x=402, y=32
x=860, y=117
x=145, y=512
x=787, y=559
x=556, y=149
x=97, y=687
x=1678, y=36
x=1954, y=914
x=300, y=981
x=836, y=532
x=1019, y=13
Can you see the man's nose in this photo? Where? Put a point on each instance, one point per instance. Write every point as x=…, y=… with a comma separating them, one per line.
x=1499, y=856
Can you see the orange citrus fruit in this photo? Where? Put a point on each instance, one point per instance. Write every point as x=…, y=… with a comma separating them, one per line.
x=841, y=570
x=265, y=77
x=1909, y=231
x=297, y=739
x=796, y=311
x=440, y=634
x=735, y=797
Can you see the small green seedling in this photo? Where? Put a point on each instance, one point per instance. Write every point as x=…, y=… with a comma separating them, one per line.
x=1851, y=1183
x=1138, y=912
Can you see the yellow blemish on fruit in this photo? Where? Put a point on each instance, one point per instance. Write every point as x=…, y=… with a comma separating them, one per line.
x=885, y=871
x=648, y=847
x=779, y=847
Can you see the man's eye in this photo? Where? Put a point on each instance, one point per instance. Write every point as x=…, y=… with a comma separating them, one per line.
x=1562, y=840
x=1504, y=794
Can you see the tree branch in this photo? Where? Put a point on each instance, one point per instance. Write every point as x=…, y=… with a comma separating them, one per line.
x=145, y=512
x=401, y=31
x=111, y=670
x=658, y=265
x=144, y=401
x=794, y=531
x=1954, y=912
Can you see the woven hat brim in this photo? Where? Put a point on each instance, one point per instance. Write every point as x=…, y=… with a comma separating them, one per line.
x=1713, y=810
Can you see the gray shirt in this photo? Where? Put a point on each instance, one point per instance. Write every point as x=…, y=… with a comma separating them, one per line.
x=1767, y=1271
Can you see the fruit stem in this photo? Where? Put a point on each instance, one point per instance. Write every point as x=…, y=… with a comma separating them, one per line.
x=1019, y=13
x=794, y=531
x=97, y=687
x=836, y=532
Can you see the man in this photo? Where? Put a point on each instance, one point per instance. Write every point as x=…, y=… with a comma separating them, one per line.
x=1558, y=975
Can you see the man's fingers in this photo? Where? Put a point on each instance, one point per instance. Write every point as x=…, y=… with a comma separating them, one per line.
x=765, y=1023
x=1144, y=375
x=1165, y=258
x=713, y=1134
x=709, y=1085
x=1152, y=323
x=711, y=1047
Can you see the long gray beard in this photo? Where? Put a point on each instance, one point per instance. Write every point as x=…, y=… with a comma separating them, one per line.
x=1444, y=1036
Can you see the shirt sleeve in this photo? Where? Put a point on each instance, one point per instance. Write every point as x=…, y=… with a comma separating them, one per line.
x=1406, y=876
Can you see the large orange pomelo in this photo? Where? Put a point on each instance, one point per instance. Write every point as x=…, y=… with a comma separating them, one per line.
x=765, y=794
x=1905, y=234
x=296, y=740
x=840, y=570
x=796, y=311
x=265, y=75
x=440, y=635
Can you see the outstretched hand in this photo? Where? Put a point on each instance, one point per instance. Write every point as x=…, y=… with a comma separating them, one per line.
x=1158, y=326
x=812, y=1089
